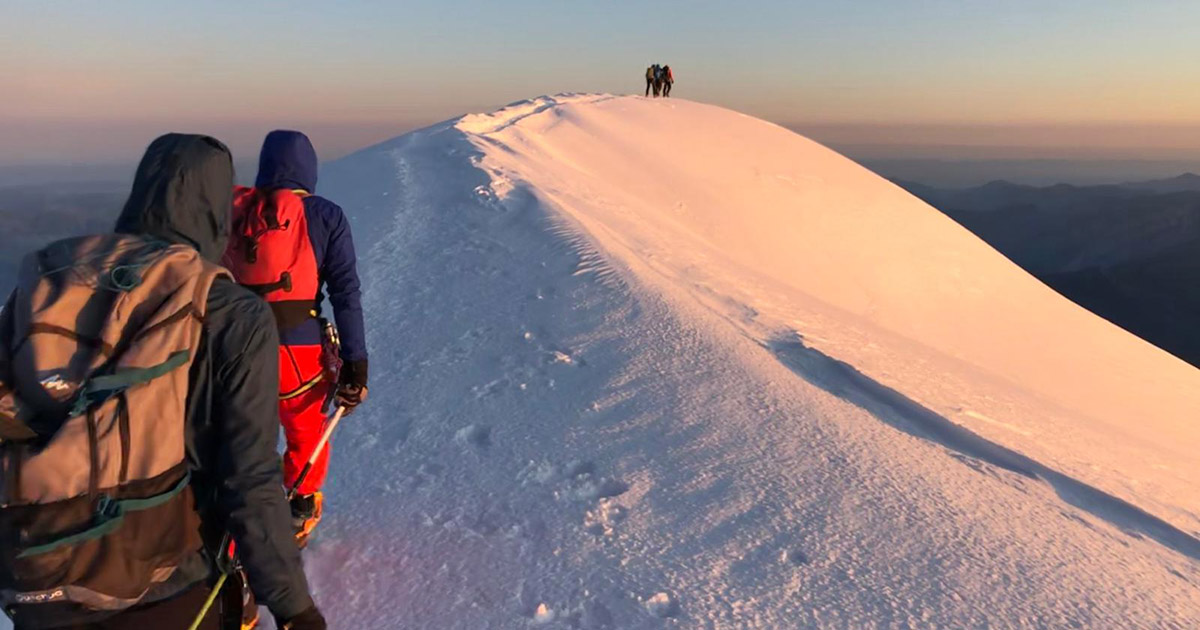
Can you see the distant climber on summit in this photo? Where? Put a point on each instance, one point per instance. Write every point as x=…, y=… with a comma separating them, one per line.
x=289, y=245
x=649, y=79
x=668, y=81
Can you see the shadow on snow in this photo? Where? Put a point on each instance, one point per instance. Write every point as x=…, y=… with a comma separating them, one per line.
x=846, y=382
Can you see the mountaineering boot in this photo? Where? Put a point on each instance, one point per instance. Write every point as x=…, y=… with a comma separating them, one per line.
x=306, y=514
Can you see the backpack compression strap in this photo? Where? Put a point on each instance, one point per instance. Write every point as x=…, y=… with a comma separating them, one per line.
x=283, y=284
x=110, y=513
x=101, y=388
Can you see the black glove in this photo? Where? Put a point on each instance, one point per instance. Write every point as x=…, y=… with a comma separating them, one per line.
x=352, y=385
x=310, y=619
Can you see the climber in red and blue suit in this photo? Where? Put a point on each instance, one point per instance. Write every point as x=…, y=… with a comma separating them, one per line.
x=288, y=162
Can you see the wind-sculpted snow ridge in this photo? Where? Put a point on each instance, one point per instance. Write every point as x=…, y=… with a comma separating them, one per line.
x=655, y=364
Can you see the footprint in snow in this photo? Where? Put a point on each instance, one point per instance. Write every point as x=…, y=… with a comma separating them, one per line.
x=595, y=616
x=474, y=435
x=589, y=488
x=540, y=473
x=579, y=468
x=430, y=470
x=585, y=485
x=794, y=557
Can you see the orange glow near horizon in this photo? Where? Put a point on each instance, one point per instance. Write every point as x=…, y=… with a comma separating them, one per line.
x=96, y=81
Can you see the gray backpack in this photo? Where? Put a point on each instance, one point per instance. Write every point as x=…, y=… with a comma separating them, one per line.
x=96, y=343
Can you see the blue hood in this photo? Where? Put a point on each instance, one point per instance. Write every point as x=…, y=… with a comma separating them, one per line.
x=288, y=160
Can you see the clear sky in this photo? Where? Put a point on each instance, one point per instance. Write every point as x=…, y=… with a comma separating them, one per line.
x=94, y=81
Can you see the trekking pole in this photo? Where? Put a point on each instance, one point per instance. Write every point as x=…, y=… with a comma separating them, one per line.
x=227, y=551
x=212, y=597
x=226, y=543
x=329, y=427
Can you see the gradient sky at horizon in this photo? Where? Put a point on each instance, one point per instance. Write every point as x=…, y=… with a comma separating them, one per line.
x=93, y=81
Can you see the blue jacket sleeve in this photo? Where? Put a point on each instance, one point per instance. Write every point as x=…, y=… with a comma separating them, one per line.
x=339, y=272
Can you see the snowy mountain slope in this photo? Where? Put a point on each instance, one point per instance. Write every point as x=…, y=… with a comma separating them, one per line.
x=645, y=364
x=797, y=232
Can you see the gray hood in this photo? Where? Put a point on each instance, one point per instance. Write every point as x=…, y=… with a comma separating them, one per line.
x=183, y=193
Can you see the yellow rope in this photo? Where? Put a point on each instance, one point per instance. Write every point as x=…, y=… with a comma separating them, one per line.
x=299, y=391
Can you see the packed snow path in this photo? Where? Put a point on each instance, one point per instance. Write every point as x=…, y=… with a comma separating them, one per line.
x=655, y=364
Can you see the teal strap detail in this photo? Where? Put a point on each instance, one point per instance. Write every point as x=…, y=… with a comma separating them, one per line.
x=137, y=505
x=103, y=529
x=101, y=388
x=109, y=516
x=128, y=377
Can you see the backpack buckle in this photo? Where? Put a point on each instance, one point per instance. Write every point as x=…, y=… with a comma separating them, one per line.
x=126, y=277
x=81, y=404
x=107, y=509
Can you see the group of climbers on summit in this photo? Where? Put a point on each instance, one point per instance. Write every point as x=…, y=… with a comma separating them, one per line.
x=659, y=80
x=144, y=376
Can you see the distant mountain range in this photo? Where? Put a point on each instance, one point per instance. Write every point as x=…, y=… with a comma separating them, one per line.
x=36, y=214
x=1129, y=252
x=1188, y=182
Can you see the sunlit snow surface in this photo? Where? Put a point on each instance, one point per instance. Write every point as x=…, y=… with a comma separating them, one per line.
x=656, y=364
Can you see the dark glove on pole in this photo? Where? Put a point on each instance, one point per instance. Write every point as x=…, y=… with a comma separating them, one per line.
x=352, y=385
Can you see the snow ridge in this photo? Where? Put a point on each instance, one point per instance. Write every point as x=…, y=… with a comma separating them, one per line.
x=647, y=364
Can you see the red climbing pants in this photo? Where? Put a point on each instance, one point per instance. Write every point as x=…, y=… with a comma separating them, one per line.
x=302, y=392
